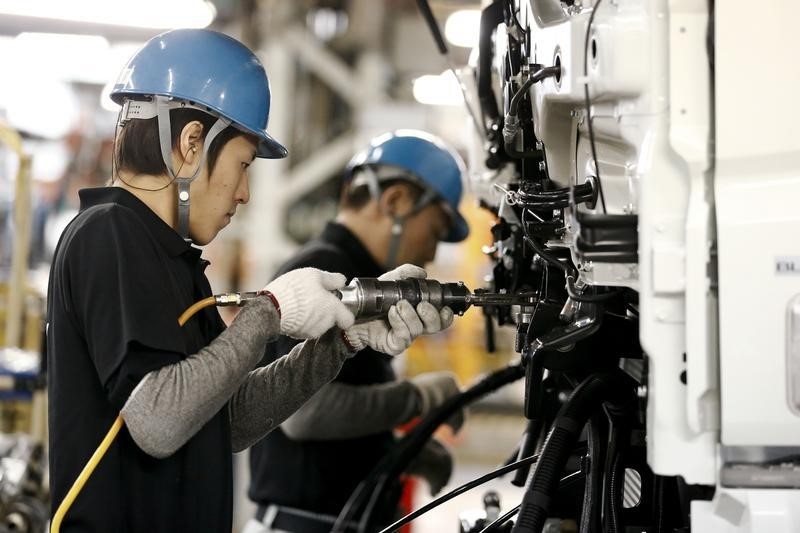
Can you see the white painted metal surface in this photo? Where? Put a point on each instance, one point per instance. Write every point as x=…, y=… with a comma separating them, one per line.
x=758, y=220
x=748, y=511
x=649, y=81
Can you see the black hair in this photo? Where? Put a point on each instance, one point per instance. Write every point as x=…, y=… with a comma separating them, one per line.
x=356, y=197
x=138, y=149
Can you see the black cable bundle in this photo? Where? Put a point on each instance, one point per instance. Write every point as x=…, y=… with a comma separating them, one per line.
x=395, y=462
x=586, y=400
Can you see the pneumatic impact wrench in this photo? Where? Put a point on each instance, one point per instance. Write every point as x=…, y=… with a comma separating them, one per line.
x=370, y=298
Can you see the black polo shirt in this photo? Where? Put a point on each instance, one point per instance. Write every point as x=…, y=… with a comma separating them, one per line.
x=320, y=475
x=119, y=281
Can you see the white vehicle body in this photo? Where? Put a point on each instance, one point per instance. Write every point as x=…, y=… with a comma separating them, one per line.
x=694, y=127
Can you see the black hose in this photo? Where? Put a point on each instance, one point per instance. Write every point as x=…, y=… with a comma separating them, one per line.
x=511, y=125
x=501, y=520
x=589, y=298
x=491, y=17
x=556, y=202
x=584, y=402
x=506, y=517
x=409, y=446
x=537, y=76
x=372, y=503
x=610, y=457
x=459, y=491
x=615, y=474
x=527, y=447
x=546, y=204
x=427, y=14
x=579, y=190
x=553, y=260
x=534, y=401
x=592, y=501
x=568, y=269
x=558, y=199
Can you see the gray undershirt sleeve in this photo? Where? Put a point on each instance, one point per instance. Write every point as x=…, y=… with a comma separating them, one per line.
x=342, y=411
x=172, y=403
x=272, y=393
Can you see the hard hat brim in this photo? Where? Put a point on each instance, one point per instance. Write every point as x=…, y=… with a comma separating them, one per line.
x=459, y=231
x=269, y=148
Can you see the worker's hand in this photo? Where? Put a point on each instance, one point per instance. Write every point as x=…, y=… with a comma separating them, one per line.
x=434, y=464
x=432, y=320
x=404, y=272
x=402, y=325
x=308, y=307
x=435, y=388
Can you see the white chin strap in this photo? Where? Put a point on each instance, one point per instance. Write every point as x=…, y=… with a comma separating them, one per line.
x=160, y=107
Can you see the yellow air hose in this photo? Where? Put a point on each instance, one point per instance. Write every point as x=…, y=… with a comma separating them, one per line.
x=195, y=307
x=221, y=300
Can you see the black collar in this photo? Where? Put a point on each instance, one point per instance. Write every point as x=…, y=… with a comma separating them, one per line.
x=342, y=237
x=164, y=234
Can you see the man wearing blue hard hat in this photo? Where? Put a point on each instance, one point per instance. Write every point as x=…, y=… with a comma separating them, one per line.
x=125, y=269
x=399, y=199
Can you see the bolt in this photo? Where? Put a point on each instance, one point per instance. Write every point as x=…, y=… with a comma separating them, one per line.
x=539, y=145
x=542, y=166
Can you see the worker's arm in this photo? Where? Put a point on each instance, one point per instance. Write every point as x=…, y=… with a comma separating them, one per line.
x=272, y=393
x=342, y=411
x=171, y=404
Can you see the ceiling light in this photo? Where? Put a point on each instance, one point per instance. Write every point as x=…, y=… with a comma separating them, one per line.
x=157, y=14
x=442, y=89
x=462, y=28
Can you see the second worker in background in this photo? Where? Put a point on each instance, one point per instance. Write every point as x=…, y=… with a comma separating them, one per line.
x=399, y=200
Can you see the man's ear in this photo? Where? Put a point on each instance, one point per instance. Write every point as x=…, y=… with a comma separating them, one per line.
x=395, y=200
x=190, y=143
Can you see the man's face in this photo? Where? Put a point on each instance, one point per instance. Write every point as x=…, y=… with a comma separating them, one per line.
x=421, y=234
x=215, y=198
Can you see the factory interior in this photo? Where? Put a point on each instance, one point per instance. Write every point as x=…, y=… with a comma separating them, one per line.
x=428, y=266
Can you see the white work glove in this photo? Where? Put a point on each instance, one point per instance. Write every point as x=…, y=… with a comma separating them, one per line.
x=435, y=388
x=404, y=272
x=308, y=307
x=434, y=464
x=403, y=323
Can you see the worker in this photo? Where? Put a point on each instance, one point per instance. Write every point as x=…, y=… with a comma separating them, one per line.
x=399, y=199
x=195, y=105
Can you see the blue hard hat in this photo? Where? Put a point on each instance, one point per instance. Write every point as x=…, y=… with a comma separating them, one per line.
x=207, y=68
x=426, y=158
